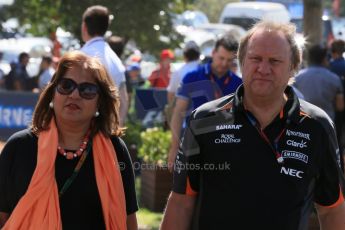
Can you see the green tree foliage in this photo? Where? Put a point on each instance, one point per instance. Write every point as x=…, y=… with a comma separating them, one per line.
x=146, y=22
x=212, y=8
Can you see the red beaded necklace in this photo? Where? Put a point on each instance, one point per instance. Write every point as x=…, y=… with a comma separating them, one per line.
x=71, y=155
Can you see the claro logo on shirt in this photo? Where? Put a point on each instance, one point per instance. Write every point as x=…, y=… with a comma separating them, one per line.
x=300, y=145
x=291, y=172
x=226, y=139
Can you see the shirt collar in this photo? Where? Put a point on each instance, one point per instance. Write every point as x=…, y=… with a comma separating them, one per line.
x=92, y=40
x=291, y=108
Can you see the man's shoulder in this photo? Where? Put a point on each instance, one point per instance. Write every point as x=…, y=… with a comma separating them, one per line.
x=316, y=114
x=198, y=74
x=94, y=47
x=210, y=108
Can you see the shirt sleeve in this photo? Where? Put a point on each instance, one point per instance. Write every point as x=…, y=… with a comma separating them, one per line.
x=187, y=165
x=184, y=89
x=174, y=82
x=330, y=182
x=127, y=173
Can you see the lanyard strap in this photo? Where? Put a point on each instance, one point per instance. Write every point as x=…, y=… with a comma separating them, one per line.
x=217, y=87
x=76, y=170
x=275, y=146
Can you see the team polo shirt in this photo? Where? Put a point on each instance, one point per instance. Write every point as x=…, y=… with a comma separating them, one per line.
x=234, y=173
x=201, y=85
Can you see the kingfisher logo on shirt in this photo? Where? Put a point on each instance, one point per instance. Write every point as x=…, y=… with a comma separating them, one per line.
x=297, y=134
x=295, y=155
x=221, y=127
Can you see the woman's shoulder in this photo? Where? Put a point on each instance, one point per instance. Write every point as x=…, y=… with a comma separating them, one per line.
x=23, y=136
x=23, y=143
x=118, y=142
x=120, y=148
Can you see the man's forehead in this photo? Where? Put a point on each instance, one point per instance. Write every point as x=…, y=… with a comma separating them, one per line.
x=265, y=34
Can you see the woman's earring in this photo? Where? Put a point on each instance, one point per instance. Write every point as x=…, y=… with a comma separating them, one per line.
x=96, y=114
x=51, y=105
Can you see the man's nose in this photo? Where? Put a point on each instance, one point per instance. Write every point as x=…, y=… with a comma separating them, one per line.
x=264, y=67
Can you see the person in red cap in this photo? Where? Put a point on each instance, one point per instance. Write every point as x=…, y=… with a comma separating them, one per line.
x=160, y=77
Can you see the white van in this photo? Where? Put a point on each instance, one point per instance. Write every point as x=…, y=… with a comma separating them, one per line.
x=245, y=14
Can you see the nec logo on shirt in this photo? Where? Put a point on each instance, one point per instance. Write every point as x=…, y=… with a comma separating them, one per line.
x=291, y=172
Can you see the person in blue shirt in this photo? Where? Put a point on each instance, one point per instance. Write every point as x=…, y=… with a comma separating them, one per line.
x=208, y=82
x=337, y=64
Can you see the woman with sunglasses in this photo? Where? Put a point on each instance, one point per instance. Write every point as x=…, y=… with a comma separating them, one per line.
x=70, y=170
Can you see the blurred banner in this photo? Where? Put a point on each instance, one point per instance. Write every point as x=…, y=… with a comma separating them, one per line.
x=16, y=110
x=149, y=105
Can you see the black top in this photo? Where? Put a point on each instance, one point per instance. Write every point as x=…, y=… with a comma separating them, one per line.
x=80, y=206
x=240, y=184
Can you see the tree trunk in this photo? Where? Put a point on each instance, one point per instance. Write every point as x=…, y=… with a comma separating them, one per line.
x=312, y=21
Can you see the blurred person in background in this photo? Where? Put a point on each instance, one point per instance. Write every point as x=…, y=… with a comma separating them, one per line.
x=160, y=77
x=133, y=80
x=337, y=66
x=318, y=85
x=46, y=72
x=337, y=63
x=56, y=51
x=95, y=22
x=62, y=172
x=191, y=55
x=208, y=82
x=117, y=44
x=322, y=87
x=18, y=78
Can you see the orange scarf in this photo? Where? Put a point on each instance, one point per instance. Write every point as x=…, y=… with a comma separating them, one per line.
x=39, y=207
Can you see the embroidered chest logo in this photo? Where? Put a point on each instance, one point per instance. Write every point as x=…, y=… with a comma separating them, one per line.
x=291, y=172
x=295, y=155
x=221, y=127
x=226, y=139
x=302, y=144
x=290, y=133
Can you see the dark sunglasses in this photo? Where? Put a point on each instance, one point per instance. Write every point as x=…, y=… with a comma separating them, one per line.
x=86, y=90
